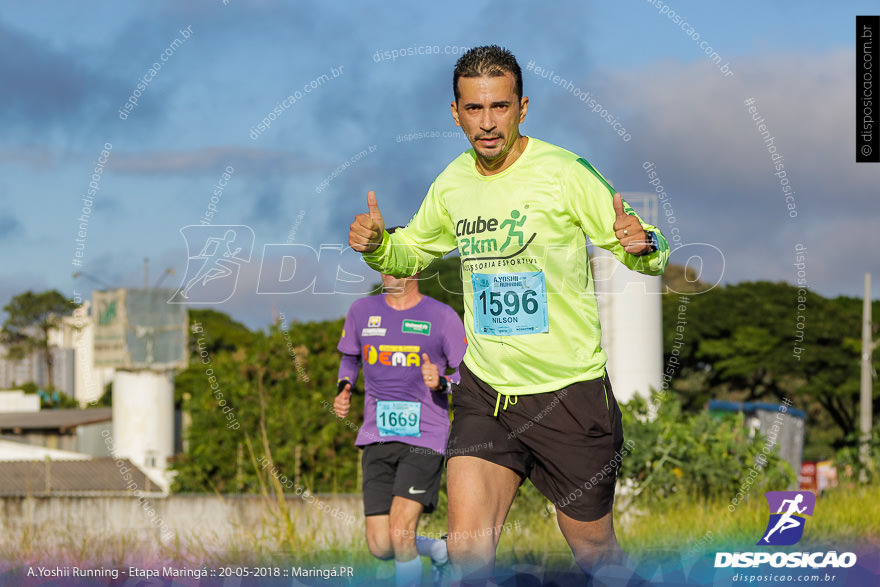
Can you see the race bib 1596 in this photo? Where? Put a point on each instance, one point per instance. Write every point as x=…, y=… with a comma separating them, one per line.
x=510, y=304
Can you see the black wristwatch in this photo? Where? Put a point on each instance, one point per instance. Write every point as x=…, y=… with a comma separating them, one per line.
x=340, y=385
x=444, y=384
x=654, y=244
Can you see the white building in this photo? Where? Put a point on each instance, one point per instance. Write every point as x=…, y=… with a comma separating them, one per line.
x=77, y=333
x=16, y=400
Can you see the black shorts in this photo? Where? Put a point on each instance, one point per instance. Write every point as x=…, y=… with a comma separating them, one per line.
x=567, y=442
x=395, y=468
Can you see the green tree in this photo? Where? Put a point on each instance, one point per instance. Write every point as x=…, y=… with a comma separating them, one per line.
x=284, y=382
x=741, y=343
x=441, y=280
x=682, y=280
x=30, y=317
x=220, y=332
x=831, y=362
x=738, y=344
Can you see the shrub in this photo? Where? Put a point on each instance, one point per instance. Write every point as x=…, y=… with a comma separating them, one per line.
x=678, y=455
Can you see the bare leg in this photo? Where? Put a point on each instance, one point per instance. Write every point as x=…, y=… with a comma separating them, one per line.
x=593, y=544
x=403, y=521
x=379, y=537
x=480, y=496
x=393, y=536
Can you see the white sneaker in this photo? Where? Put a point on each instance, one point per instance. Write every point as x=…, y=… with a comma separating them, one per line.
x=441, y=573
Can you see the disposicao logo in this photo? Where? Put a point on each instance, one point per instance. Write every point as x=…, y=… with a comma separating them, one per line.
x=788, y=516
x=222, y=250
x=787, y=521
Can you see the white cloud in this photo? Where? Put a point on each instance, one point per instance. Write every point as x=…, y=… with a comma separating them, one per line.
x=244, y=160
x=693, y=124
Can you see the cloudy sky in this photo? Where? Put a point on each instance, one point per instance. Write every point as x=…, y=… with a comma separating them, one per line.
x=347, y=87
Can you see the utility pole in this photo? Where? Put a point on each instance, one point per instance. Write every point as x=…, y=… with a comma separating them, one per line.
x=865, y=403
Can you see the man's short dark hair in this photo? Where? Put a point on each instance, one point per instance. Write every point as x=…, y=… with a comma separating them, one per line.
x=488, y=60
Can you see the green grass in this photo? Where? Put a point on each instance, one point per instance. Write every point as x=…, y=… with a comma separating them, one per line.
x=846, y=516
x=842, y=516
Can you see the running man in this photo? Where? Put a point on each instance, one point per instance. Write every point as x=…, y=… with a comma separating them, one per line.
x=514, y=224
x=530, y=315
x=405, y=341
x=787, y=522
x=215, y=264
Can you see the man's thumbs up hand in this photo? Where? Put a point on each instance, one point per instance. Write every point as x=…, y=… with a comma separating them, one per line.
x=430, y=373
x=367, y=230
x=628, y=229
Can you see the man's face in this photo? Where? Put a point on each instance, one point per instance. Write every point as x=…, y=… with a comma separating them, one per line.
x=391, y=284
x=489, y=113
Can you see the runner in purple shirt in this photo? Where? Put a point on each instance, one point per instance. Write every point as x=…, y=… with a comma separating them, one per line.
x=405, y=342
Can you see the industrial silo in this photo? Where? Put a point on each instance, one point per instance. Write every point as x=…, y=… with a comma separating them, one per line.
x=631, y=314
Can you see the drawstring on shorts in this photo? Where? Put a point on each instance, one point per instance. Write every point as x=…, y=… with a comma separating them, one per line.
x=507, y=401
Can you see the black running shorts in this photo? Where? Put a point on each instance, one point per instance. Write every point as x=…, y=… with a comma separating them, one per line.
x=395, y=468
x=567, y=442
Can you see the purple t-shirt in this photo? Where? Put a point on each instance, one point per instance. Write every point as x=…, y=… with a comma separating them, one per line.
x=389, y=344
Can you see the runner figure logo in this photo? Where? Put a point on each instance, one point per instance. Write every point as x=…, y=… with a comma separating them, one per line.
x=787, y=521
x=214, y=258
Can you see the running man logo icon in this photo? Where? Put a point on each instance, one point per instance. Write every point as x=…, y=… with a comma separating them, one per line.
x=212, y=273
x=787, y=521
x=513, y=224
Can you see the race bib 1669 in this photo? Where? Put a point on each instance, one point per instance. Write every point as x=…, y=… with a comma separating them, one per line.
x=398, y=418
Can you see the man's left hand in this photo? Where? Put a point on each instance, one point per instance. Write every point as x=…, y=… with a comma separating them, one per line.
x=629, y=231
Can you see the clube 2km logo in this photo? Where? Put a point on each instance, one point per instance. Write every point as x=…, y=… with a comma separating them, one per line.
x=789, y=512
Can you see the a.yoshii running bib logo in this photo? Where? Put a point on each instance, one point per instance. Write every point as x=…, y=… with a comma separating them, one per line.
x=477, y=237
x=787, y=521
